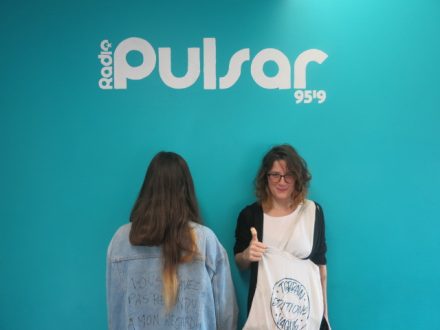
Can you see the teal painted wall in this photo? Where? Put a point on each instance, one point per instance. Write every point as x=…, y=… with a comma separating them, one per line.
x=73, y=156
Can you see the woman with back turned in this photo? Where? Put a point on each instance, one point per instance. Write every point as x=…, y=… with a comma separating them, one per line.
x=164, y=269
x=281, y=238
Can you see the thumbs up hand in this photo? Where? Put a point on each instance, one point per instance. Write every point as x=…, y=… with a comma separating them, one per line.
x=256, y=249
x=254, y=234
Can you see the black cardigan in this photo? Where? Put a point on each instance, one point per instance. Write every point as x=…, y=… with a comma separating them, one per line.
x=252, y=216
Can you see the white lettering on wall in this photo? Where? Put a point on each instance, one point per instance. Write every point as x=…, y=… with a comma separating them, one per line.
x=116, y=70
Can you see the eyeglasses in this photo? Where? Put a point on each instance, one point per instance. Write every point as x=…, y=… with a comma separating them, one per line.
x=276, y=177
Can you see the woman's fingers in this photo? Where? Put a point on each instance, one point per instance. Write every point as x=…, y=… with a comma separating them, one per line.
x=256, y=248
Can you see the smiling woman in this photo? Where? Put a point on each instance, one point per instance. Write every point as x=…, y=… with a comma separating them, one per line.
x=292, y=251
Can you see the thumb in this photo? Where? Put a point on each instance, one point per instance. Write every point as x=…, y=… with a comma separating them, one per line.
x=254, y=234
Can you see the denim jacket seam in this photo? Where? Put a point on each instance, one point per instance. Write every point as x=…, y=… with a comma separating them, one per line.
x=133, y=257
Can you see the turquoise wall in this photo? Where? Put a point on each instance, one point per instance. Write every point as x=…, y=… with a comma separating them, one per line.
x=73, y=156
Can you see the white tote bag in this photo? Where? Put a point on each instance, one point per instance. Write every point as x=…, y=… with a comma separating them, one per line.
x=288, y=295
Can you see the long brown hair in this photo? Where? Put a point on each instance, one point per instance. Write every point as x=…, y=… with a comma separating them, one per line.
x=295, y=165
x=161, y=215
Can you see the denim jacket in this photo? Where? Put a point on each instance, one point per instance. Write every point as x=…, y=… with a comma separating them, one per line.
x=206, y=297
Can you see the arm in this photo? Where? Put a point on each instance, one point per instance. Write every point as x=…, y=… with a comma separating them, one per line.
x=113, y=291
x=247, y=248
x=226, y=309
x=110, y=277
x=323, y=273
x=242, y=261
x=319, y=256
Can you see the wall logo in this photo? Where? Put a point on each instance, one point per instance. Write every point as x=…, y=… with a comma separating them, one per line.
x=116, y=70
x=290, y=305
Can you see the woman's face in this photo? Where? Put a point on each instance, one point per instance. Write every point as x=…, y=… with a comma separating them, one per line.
x=282, y=190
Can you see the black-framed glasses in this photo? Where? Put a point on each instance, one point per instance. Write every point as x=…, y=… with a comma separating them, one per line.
x=276, y=177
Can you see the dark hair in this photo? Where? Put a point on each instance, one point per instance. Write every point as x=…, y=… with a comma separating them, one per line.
x=161, y=215
x=295, y=165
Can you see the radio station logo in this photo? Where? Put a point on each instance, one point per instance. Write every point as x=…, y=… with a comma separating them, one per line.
x=116, y=70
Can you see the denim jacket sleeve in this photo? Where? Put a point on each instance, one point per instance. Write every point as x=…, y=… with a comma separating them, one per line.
x=110, y=279
x=113, y=287
x=226, y=309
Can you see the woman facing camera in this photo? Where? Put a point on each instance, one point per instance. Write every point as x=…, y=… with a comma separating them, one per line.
x=281, y=238
x=164, y=269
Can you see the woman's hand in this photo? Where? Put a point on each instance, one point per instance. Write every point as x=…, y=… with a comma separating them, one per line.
x=253, y=253
x=256, y=249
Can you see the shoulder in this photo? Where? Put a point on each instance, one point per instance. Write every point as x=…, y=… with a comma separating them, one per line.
x=203, y=233
x=251, y=210
x=312, y=206
x=319, y=213
x=120, y=239
x=208, y=243
x=250, y=216
x=318, y=206
x=122, y=233
x=313, y=211
x=206, y=238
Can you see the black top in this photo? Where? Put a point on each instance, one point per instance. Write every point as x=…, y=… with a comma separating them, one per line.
x=252, y=216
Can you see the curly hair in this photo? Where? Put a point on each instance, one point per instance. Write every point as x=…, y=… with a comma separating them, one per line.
x=296, y=165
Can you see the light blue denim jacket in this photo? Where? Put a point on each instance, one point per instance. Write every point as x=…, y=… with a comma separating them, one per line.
x=206, y=297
